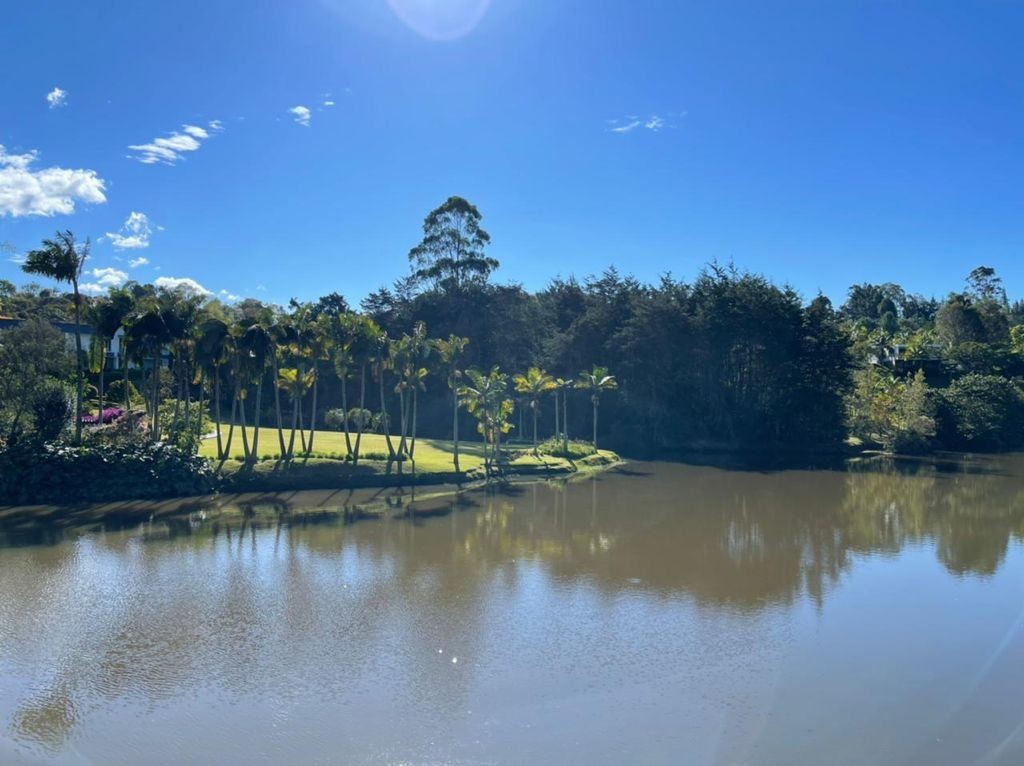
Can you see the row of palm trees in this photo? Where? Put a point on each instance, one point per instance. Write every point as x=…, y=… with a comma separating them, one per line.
x=214, y=352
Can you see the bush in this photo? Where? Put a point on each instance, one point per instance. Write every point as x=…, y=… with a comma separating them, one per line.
x=52, y=411
x=37, y=472
x=981, y=412
x=115, y=394
x=556, y=448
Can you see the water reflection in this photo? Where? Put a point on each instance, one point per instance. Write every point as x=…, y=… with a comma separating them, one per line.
x=390, y=603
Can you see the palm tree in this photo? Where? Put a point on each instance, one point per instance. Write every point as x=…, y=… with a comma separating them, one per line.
x=213, y=350
x=451, y=351
x=419, y=352
x=62, y=259
x=535, y=383
x=486, y=398
x=257, y=349
x=563, y=385
x=382, y=361
x=595, y=381
x=295, y=383
x=147, y=333
x=108, y=315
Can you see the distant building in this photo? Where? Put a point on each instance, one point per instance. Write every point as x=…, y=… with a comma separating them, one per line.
x=114, y=356
x=894, y=357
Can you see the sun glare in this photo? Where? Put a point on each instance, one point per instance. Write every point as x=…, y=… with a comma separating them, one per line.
x=440, y=20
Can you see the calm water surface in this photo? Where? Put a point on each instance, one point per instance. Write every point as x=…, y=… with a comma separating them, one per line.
x=657, y=614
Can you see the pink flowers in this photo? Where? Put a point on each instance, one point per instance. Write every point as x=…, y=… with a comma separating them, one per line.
x=109, y=415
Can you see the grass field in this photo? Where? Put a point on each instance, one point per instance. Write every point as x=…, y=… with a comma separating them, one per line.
x=431, y=454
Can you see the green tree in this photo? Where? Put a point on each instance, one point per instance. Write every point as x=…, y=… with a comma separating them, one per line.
x=595, y=381
x=486, y=398
x=535, y=383
x=451, y=352
x=451, y=254
x=62, y=260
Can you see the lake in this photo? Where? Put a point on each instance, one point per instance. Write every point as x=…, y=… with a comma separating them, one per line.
x=657, y=613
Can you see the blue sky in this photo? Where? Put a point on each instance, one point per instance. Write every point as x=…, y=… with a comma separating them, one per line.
x=818, y=143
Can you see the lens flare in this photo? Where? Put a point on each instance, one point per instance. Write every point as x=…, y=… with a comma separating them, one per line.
x=440, y=20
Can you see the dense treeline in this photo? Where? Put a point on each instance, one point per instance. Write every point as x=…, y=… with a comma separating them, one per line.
x=727, y=361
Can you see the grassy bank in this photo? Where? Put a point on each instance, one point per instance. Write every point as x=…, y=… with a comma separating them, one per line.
x=326, y=468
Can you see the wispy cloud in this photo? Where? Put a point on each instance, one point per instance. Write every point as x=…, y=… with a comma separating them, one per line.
x=655, y=123
x=105, y=279
x=57, y=97
x=134, y=263
x=49, y=191
x=134, y=234
x=168, y=150
x=229, y=296
x=328, y=102
x=301, y=115
x=182, y=284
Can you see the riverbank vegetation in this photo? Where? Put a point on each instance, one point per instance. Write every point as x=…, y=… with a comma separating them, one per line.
x=448, y=371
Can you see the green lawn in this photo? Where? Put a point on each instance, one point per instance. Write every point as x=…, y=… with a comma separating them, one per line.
x=431, y=454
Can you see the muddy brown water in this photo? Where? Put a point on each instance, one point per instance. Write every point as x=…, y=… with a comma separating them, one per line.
x=658, y=613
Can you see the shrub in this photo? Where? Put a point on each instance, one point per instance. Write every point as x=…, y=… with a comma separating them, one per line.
x=115, y=393
x=52, y=411
x=37, y=472
x=556, y=448
x=981, y=412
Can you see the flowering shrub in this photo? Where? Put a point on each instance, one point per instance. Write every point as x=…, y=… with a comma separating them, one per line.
x=109, y=415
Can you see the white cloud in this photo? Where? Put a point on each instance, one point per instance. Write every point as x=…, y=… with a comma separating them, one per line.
x=654, y=123
x=134, y=234
x=105, y=279
x=261, y=288
x=626, y=127
x=328, y=102
x=57, y=97
x=301, y=114
x=134, y=263
x=46, y=192
x=184, y=284
x=229, y=297
x=169, y=149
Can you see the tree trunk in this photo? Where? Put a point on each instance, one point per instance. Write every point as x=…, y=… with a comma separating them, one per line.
x=155, y=390
x=565, y=422
x=277, y=409
x=79, y=372
x=234, y=411
x=344, y=407
x=199, y=416
x=103, y=365
x=595, y=422
x=362, y=409
x=216, y=408
x=384, y=416
x=256, y=419
x=245, y=429
x=295, y=425
x=402, y=418
x=412, y=429
x=312, y=414
x=536, y=451
x=455, y=427
x=557, y=431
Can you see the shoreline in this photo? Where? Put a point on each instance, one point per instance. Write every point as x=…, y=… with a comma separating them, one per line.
x=318, y=483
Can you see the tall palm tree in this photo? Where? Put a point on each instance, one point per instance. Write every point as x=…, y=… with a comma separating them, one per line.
x=486, y=398
x=595, y=381
x=62, y=260
x=213, y=350
x=563, y=385
x=107, y=316
x=420, y=348
x=451, y=352
x=382, y=362
x=147, y=333
x=258, y=348
x=535, y=383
